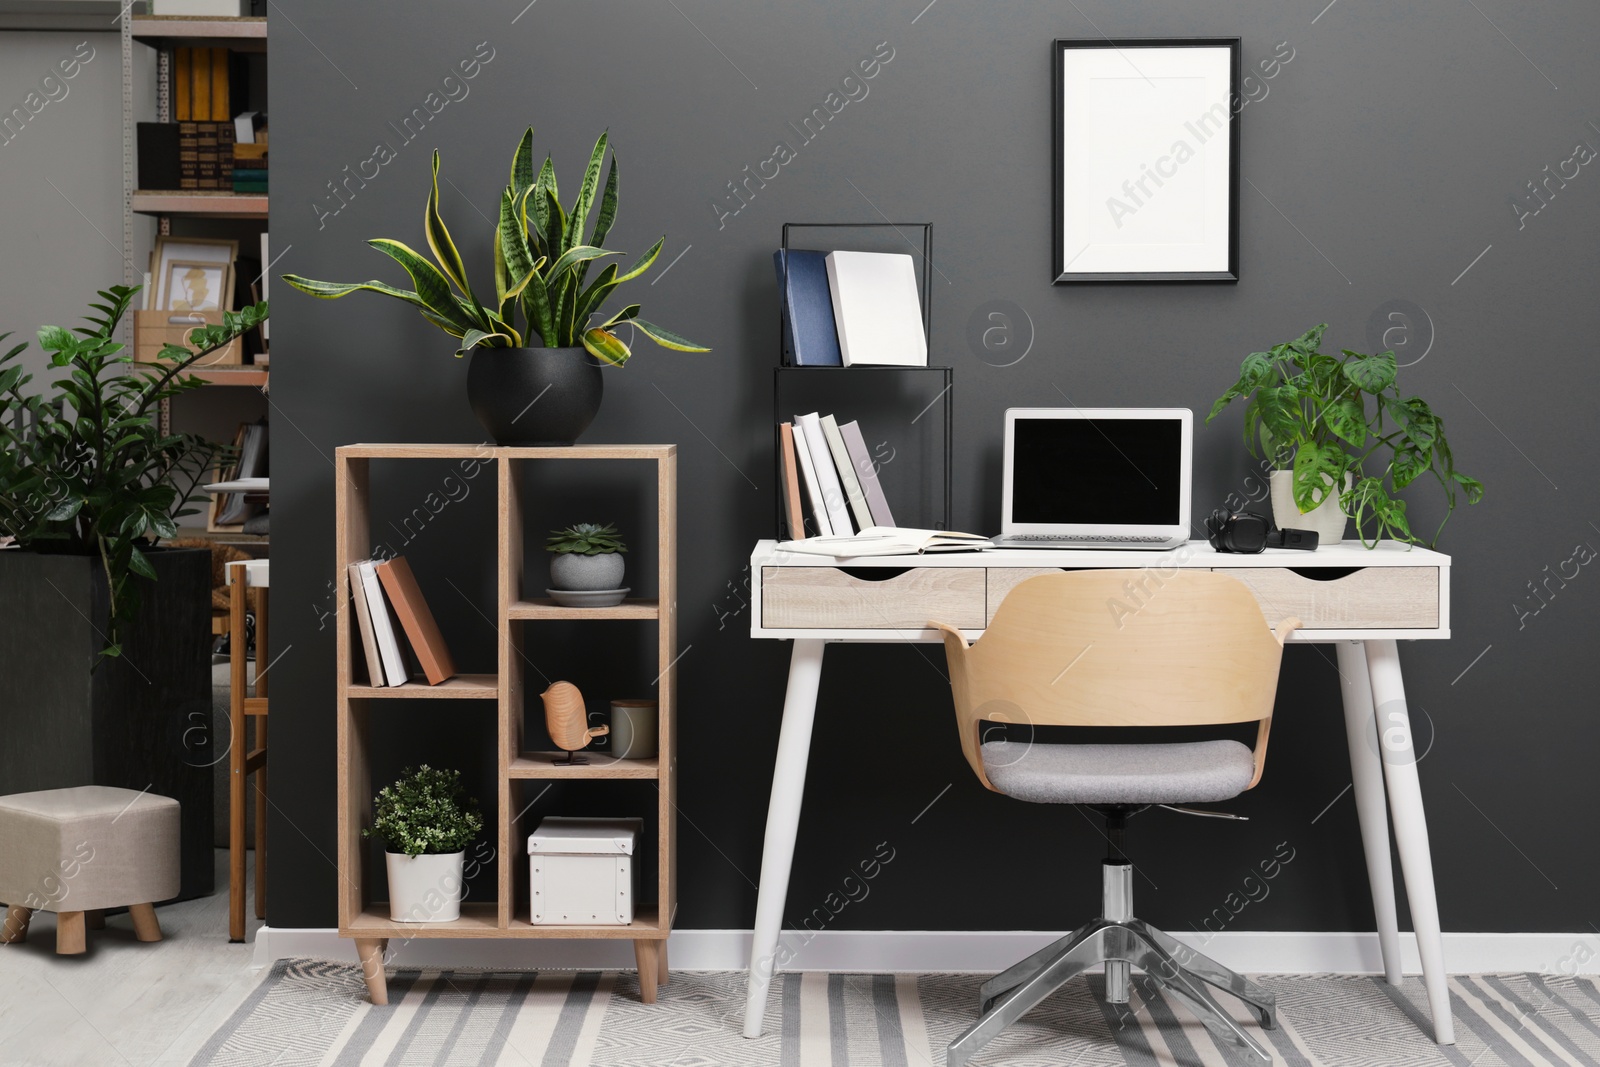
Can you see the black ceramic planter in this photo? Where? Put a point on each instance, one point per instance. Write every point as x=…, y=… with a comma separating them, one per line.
x=534, y=396
x=141, y=722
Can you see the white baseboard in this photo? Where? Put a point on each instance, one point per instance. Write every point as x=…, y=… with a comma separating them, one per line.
x=903, y=951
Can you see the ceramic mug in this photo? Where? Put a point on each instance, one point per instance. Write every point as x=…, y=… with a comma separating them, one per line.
x=634, y=729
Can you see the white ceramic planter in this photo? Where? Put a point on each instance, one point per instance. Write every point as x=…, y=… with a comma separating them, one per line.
x=1327, y=519
x=572, y=570
x=425, y=889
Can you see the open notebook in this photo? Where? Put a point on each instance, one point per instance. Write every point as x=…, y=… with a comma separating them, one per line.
x=888, y=541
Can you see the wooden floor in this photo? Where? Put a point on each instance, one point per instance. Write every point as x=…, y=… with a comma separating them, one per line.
x=122, y=1002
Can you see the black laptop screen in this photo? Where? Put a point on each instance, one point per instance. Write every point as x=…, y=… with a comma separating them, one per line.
x=1101, y=472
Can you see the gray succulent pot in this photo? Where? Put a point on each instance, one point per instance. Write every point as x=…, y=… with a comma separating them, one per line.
x=577, y=572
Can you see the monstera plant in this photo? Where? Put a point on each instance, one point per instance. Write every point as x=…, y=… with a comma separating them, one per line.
x=544, y=300
x=1324, y=421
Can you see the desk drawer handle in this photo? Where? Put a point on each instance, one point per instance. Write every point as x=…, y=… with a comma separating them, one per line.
x=873, y=574
x=1325, y=574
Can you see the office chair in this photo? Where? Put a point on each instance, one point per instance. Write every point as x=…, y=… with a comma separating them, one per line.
x=1118, y=648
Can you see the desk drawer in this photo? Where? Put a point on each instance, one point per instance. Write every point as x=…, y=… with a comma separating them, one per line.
x=824, y=598
x=1388, y=598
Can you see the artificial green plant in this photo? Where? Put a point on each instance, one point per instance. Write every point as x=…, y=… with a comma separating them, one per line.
x=1310, y=413
x=87, y=470
x=541, y=264
x=425, y=813
x=585, y=539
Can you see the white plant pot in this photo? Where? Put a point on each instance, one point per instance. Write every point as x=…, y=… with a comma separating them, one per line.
x=1327, y=519
x=425, y=889
x=577, y=572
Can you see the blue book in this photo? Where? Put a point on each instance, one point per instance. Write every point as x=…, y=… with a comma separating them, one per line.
x=810, y=338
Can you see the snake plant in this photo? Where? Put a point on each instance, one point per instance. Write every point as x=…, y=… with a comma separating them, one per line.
x=541, y=266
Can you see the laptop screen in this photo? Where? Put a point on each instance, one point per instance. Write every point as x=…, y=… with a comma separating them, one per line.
x=1097, y=471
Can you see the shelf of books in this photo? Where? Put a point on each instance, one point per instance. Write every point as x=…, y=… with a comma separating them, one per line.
x=389, y=620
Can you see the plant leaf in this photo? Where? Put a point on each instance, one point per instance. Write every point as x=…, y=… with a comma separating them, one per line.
x=642, y=264
x=585, y=201
x=522, y=163
x=1347, y=418
x=666, y=338
x=444, y=249
x=536, y=305
x=334, y=290
x=474, y=338
x=607, y=346
x=433, y=288
x=1473, y=487
x=1370, y=374
x=1408, y=465
x=1318, y=470
x=608, y=205
x=138, y=564
x=574, y=256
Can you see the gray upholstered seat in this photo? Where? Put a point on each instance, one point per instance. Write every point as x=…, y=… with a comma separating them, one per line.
x=1191, y=772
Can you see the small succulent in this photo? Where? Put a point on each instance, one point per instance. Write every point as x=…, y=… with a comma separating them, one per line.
x=586, y=539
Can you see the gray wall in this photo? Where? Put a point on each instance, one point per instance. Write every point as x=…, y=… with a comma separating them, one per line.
x=1379, y=165
x=62, y=244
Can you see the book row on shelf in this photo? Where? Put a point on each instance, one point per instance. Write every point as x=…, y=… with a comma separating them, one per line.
x=215, y=142
x=843, y=309
x=390, y=606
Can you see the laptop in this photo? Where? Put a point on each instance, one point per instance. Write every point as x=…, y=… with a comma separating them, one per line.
x=1097, y=478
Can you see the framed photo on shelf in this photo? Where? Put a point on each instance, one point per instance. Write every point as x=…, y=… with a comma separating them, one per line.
x=1147, y=159
x=197, y=286
x=201, y=251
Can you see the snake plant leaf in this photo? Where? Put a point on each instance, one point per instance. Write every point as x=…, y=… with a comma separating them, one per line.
x=642, y=264
x=608, y=205
x=512, y=237
x=585, y=201
x=666, y=338
x=516, y=290
x=448, y=327
x=547, y=178
x=605, y=345
x=545, y=192
x=522, y=163
x=597, y=292
x=444, y=249
x=433, y=288
x=629, y=312
x=555, y=225
x=574, y=256
x=536, y=305
x=334, y=290
x=474, y=338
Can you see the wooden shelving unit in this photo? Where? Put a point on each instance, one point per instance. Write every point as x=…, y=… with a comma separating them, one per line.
x=368, y=923
x=201, y=203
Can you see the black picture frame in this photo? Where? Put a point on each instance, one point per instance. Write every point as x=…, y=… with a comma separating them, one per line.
x=1061, y=50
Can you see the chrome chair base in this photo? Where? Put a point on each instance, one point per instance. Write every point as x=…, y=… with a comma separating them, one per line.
x=1120, y=942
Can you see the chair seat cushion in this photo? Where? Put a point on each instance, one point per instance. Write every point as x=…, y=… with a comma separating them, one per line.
x=1184, y=773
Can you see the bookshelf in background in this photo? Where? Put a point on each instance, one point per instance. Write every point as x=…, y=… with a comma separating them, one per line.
x=919, y=398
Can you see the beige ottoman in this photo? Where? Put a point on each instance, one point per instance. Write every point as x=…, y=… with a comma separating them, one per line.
x=79, y=851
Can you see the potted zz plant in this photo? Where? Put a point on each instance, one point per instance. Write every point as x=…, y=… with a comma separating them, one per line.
x=1327, y=421
x=426, y=823
x=104, y=650
x=586, y=566
x=534, y=378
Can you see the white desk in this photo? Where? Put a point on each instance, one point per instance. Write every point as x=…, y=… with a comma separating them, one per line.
x=1360, y=601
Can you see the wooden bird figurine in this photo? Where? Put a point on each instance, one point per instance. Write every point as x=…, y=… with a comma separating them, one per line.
x=567, y=720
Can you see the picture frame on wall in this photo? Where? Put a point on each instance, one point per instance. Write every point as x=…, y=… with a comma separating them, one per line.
x=1147, y=159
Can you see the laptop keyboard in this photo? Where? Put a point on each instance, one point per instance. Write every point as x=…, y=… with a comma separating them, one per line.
x=1089, y=539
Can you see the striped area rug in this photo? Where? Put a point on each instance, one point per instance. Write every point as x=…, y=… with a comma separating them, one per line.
x=308, y=1012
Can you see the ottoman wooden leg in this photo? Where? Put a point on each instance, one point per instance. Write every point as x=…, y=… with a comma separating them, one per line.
x=70, y=936
x=371, y=952
x=95, y=920
x=647, y=952
x=15, y=930
x=145, y=925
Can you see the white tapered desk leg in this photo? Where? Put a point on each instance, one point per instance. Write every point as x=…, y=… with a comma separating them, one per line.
x=1366, y=774
x=1410, y=827
x=783, y=820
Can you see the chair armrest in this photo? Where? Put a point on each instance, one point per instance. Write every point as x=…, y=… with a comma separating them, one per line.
x=1285, y=628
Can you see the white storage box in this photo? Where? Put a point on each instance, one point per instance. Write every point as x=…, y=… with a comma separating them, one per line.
x=581, y=873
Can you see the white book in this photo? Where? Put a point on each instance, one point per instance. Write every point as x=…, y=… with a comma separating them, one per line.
x=827, y=475
x=369, y=642
x=808, y=475
x=876, y=309
x=383, y=625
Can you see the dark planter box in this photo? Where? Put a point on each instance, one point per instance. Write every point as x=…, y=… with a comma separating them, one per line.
x=139, y=722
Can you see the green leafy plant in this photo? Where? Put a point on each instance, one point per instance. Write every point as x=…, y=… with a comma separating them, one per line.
x=84, y=466
x=425, y=813
x=586, y=539
x=541, y=265
x=1310, y=413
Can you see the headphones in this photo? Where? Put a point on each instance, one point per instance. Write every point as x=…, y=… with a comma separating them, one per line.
x=1246, y=533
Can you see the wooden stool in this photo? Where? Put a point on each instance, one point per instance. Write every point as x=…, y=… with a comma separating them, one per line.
x=79, y=851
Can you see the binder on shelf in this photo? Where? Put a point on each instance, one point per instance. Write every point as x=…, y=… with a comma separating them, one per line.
x=805, y=307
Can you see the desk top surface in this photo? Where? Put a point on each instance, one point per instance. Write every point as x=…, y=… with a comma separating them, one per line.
x=1196, y=554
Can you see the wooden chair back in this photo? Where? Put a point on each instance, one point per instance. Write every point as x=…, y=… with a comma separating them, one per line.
x=1118, y=648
